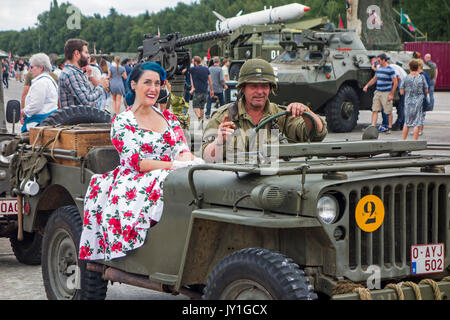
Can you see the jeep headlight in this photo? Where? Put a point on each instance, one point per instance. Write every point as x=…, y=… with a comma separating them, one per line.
x=328, y=209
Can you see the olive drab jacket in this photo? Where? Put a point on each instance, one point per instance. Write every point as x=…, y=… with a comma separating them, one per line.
x=294, y=129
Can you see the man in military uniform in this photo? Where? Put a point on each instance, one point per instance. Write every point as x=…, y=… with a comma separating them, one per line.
x=228, y=130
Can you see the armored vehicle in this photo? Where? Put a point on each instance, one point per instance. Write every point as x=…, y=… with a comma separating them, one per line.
x=327, y=70
x=300, y=221
x=263, y=41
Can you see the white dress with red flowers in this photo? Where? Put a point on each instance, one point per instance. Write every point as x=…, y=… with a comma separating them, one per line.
x=121, y=205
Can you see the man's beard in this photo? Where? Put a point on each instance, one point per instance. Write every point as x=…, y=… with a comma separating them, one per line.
x=83, y=62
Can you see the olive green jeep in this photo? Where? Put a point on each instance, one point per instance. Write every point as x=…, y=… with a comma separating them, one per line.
x=333, y=220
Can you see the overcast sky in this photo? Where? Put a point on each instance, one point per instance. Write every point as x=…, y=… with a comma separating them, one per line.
x=19, y=14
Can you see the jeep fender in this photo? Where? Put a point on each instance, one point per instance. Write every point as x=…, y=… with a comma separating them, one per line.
x=41, y=207
x=59, y=193
x=215, y=233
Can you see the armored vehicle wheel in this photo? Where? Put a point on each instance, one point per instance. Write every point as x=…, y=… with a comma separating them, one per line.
x=65, y=277
x=258, y=274
x=76, y=115
x=342, y=111
x=27, y=251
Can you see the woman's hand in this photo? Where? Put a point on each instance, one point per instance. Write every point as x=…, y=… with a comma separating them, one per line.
x=185, y=156
x=181, y=164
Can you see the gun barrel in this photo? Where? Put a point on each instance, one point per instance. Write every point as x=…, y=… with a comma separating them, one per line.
x=202, y=37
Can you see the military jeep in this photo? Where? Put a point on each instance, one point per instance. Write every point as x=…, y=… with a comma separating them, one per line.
x=319, y=220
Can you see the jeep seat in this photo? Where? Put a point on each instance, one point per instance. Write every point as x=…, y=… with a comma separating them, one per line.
x=102, y=159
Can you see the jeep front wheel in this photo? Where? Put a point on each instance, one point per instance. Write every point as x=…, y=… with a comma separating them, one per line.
x=258, y=274
x=65, y=277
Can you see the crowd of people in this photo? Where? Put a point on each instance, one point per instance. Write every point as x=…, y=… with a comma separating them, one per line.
x=18, y=69
x=205, y=85
x=78, y=79
x=415, y=90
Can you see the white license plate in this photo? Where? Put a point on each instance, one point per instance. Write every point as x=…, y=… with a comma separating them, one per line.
x=427, y=258
x=8, y=207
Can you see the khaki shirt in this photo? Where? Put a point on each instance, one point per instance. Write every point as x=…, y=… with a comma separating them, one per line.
x=293, y=128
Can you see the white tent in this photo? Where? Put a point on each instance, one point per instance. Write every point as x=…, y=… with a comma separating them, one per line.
x=3, y=54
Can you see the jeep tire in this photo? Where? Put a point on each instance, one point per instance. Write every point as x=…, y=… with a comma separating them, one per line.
x=76, y=115
x=258, y=274
x=65, y=276
x=342, y=111
x=28, y=250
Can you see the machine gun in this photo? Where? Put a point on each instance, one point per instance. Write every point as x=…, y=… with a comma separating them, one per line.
x=170, y=53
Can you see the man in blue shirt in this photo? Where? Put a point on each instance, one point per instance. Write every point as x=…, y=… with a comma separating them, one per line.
x=200, y=77
x=386, y=84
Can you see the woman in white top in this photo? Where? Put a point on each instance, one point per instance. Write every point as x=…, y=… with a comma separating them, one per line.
x=42, y=98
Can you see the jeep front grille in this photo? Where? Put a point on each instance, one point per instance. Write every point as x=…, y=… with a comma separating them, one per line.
x=416, y=212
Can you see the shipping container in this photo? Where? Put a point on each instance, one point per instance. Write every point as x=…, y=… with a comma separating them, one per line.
x=440, y=54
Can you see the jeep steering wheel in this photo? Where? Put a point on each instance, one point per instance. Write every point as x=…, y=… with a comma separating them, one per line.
x=280, y=114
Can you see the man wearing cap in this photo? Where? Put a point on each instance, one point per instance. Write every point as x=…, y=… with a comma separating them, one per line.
x=386, y=82
x=228, y=130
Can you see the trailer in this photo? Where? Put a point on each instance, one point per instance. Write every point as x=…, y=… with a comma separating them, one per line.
x=440, y=51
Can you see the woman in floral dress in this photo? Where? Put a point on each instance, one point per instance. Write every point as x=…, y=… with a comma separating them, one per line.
x=414, y=87
x=120, y=206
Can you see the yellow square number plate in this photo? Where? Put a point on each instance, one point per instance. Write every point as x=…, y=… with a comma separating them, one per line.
x=427, y=258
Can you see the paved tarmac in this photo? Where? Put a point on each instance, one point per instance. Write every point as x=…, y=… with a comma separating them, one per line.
x=19, y=281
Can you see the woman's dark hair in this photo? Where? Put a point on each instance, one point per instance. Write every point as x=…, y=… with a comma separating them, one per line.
x=72, y=45
x=103, y=65
x=136, y=74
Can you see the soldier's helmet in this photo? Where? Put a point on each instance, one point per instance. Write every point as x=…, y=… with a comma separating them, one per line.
x=257, y=71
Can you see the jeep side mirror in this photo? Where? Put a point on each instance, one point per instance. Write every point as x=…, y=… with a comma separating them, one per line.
x=13, y=111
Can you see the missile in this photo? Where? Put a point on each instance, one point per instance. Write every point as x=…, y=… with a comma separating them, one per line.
x=271, y=15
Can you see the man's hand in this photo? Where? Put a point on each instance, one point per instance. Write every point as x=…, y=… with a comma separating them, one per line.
x=391, y=96
x=365, y=88
x=104, y=82
x=297, y=109
x=226, y=128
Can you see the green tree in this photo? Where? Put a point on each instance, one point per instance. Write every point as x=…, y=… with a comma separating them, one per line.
x=117, y=32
